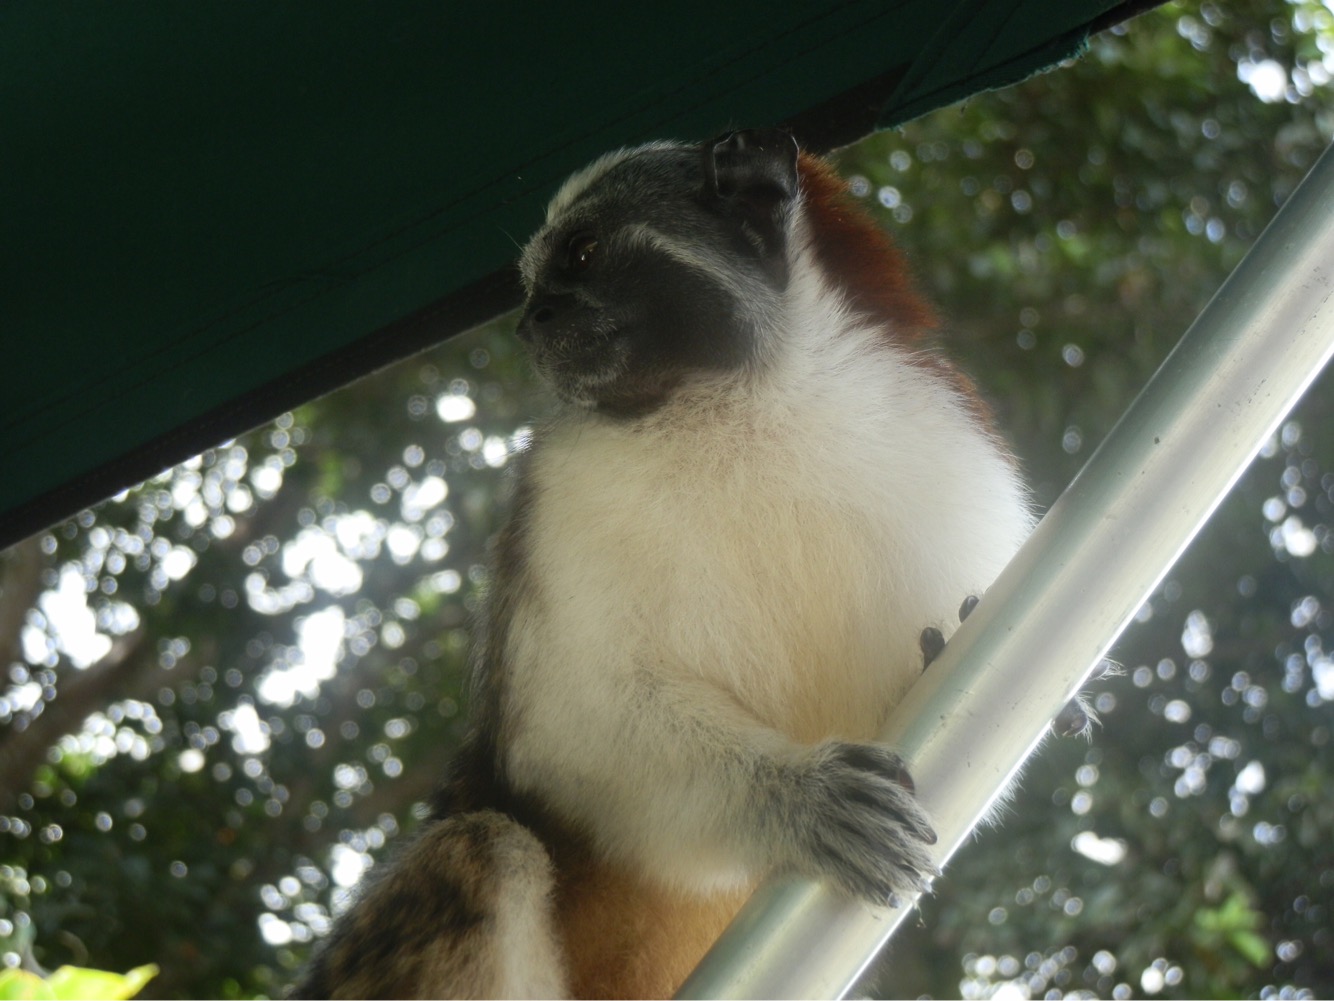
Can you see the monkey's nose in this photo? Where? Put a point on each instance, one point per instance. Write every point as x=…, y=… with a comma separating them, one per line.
x=544, y=315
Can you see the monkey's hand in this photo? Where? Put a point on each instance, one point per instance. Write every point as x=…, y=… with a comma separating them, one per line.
x=932, y=640
x=1076, y=719
x=851, y=817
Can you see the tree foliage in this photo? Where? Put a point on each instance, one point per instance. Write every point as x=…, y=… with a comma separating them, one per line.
x=283, y=630
x=228, y=687
x=1074, y=226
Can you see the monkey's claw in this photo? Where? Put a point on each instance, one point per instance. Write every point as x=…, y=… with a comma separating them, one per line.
x=932, y=640
x=864, y=828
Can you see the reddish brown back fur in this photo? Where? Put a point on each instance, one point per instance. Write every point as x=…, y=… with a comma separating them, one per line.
x=861, y=255
x=626, y=938
x=874, y=273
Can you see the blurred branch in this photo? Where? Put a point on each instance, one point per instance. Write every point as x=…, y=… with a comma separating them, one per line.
x=392, y=796
x=24, y=744
x=20, y=584
x=316, y=768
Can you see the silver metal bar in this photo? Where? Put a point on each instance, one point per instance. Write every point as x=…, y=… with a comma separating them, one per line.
x=968, y=725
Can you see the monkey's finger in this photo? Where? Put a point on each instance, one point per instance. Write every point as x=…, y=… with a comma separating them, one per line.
x=932, y=641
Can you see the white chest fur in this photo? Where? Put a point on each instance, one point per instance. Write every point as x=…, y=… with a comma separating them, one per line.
x=745, y=572
x=783, y=537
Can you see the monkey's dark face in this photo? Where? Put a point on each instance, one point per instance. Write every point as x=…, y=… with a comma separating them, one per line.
x=659, y=265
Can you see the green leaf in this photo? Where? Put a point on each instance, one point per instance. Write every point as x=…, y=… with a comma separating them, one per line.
x=1252, y=946
x=20, y=985
x=99, y=985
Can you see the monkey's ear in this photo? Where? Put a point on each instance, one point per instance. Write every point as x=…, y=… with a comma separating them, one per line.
x=753, y=175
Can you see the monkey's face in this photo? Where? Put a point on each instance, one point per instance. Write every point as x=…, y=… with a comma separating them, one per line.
x=659, y=265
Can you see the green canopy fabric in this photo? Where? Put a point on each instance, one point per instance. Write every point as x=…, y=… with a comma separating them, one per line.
x=213, y=211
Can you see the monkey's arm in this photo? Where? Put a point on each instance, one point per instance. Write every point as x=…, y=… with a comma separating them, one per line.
x=679, y=778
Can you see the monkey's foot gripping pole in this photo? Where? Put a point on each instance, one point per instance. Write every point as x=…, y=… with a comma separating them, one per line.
x=974, y=717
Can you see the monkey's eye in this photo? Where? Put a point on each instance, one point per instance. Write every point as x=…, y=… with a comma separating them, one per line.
x=580, y=252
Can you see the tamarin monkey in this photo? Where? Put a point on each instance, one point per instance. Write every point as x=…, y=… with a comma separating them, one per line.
x=762, y=482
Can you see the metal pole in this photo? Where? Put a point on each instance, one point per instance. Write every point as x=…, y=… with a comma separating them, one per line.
x=968, y=725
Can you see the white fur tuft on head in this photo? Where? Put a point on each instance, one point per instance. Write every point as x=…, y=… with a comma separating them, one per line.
x=581, y=180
